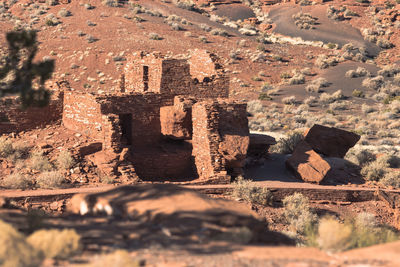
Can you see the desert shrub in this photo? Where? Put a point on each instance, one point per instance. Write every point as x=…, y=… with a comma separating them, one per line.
x=110, y=3
x=360, y=157
x=375, y=170
x=287, y=144
x=56, y=244
x=316, y=85
x=185, y=4
x=327, y=98
x=154, y=36
x=304, y=20
x=52, y=2
x=310, y=101
x=205, y=27
x=90, y=39
x=16, y=181
x=333, y=236
x=323, y=61
x=90, y=23
x=389, y=71
x=297, y=78
x=40, y=162
x=219, y=32
x=254, y=107
x=6, y=147
x=65, y=160
x=359, y=72
x=248, y=191
x=298, y=213
x=203, y=39
x=338, y=106
x=64, y=12
x=391, y=178
x=118, y=258
x=384, y=43
x=358, y=93
x=50, y=179
x=392, y=160
x=14, y=250
x=365, y=108
x=289, y=100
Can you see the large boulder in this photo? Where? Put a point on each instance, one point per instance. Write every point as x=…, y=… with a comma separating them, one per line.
x=307, y=164
x=331, y=142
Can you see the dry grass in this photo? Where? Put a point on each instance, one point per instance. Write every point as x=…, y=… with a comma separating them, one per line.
x=17, y=181
x=65, y=160
x=50, y=179
x=298, y=213
x=248, y=191
x=316, y=85
x=333, y=236
x=289, y=100
x=375, y=170
x=287, y=144
x=40, y=162
x=14, y=251
x=56, y=244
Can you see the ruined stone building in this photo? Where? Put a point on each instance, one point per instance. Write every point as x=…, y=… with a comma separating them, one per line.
x=171, y=120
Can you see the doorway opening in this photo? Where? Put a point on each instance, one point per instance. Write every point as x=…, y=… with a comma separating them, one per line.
x=126, y=128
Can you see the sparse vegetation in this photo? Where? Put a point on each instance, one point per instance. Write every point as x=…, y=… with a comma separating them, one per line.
x=14, y=250
x=56, y=244
x=289, y=100
x=155, y=36
x=287, y=144
x=40, y=162
x=316, y=85
x=16, y=181
x=50, y=179
x=298, y=213
x=65, y=160
x=304, y=20
x=248, y=191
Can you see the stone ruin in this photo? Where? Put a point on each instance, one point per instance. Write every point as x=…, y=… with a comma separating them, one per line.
x=171, y=120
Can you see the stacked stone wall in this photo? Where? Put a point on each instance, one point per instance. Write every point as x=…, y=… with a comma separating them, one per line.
x=82, y=114
x=15, y=119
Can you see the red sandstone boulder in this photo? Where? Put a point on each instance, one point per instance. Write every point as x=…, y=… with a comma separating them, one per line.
x=331, y=142
x=307, y=164
x=175, y=123
x=234, y=150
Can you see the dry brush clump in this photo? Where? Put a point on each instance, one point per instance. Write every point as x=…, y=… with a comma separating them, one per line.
x=324, y=61
x=250, y=192
x=298, y=213
x=39, y=162
x=304, y=20
x=330, y=98
x=359, y=72
x=373, y=83
x=286, y=145
x=50, y=179
x=56, y=244
x=316, y=85
x=17, y=180
x=15, y=251
x=65, y=160
x=362, y=231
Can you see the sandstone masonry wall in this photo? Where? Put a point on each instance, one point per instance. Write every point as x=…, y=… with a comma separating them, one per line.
x=15, y=119
x=82, y=114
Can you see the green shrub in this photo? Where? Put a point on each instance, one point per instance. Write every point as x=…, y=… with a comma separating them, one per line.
x=298, y=213
x=56, y=244
x=50, y=179
x=248, y=191
x=17, y=181
x=39, y=162
x=14, y=251
x=64, y=160
x=287, y=144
